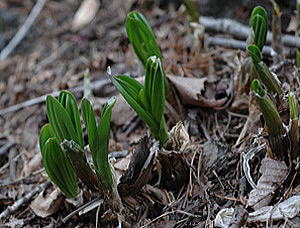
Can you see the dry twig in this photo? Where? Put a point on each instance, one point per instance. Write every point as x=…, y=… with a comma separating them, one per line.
x=96, y=85
x=10, y=209
x=23, y=30
x=241, y=31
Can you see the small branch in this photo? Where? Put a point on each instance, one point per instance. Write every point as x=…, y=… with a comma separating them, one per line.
x=95, y=85
x=23, y=30
x=241, y=31
x=235, y=44
x=10, y=209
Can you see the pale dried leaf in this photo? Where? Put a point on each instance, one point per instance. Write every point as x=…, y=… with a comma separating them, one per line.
x=286, y=209
x=179, y=138
x=223, y=217
x=273, y=173
x=293, y=25
x=85, y=14
x=46, y=205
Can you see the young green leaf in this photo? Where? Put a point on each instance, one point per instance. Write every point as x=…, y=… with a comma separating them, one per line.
x=69, y=103
x=254, y=52
x=141, y=37
x=60, y=121
x=266, y=77
x=59, y=168
x=259, y=25
x=101, y=141
x=89, y=121
x=155, y=87
x=133, y=100
x=46, y=133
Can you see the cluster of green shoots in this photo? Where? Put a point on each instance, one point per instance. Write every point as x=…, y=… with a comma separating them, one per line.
x=61, y=141
x=62, y=144
x=267, y=88
x=147, y=100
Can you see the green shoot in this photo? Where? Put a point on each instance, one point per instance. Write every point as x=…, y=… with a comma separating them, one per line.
x=275, y=127
x=265, y=75
x=191, y=8
x=141, y=37
x=294, y=128
x=62, y=146
x=259, y=25
x=57, y=166
x=147, y=101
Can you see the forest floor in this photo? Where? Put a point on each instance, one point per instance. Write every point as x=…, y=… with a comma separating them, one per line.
x=196, y=184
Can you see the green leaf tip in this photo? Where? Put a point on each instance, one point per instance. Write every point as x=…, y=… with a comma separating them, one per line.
x=257, y=88
x=254, y=53
x=293, y=105
x=147, y=101
x=141, y=36
x=259, y=25
x=59, y=168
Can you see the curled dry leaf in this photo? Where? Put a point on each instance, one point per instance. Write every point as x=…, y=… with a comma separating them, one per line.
x=201, y=92
x=286, y=209
x=140, y=168
x=273, y=174
x=46, y=205
x=179, y=138
x=85, y=14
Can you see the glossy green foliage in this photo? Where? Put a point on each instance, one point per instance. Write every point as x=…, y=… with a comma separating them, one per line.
x=64, y=118
x=98, y=137
x=141, y=37
x=57, y=166
x=265, y=75
x=259, y=25
x=148, y=101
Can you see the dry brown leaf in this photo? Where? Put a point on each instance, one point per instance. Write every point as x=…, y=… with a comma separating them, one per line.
x=202, y=92
x=46, y=205
x=85, y=14
x=273, y=174
x=140, y=168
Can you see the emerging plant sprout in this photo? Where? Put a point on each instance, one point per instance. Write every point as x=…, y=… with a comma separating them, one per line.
x=294, y=128
x=259, y=26
x=141, y=37
x=265, y=75
x=275, y=127
x=62, y=146
x=147, y=101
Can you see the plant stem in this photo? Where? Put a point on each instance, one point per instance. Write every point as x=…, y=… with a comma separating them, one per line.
x=276, y=29
x=192, y=10
x=294, y=130
x=277, y=133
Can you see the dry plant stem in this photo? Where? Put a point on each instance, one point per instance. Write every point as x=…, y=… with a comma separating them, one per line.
x=241, y=31
x=23, y=30
x=276, y=29
x=95, y=86
x=78, y=160
x=20, y=202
